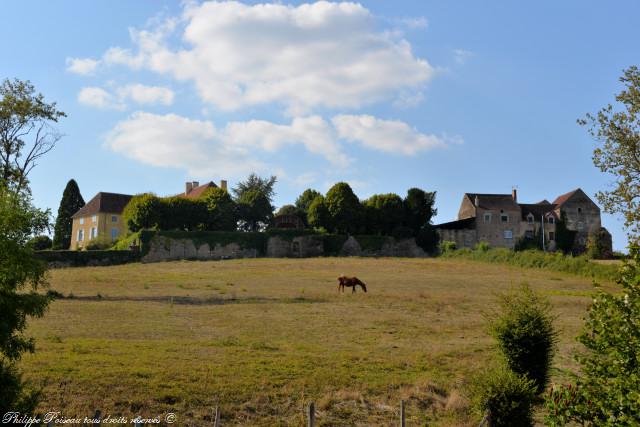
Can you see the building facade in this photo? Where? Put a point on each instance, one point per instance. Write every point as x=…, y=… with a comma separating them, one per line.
x=501, y=221
x=101, y=218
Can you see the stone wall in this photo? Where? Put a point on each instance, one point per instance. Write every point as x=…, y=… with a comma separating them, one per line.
x=162, y=248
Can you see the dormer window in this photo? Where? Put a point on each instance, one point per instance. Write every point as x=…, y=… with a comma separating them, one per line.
x=530, y=218
x=551, y=220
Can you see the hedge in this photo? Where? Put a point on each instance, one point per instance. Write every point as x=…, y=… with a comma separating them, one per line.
x=87, y=258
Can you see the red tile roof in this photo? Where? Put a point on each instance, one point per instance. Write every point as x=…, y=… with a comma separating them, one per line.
x=199, y=191
x=560, y=200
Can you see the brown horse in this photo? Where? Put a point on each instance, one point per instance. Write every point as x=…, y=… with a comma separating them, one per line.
x=350, y=282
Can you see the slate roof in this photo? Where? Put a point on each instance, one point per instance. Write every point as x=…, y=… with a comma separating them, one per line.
x=104, y=202
x=537, y=210
x=493, y=201
x=461, y=224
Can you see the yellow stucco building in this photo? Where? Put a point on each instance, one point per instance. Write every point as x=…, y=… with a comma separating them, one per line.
x=101, y=218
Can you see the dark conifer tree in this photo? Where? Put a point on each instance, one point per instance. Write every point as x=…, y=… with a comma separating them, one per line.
x=71, y=202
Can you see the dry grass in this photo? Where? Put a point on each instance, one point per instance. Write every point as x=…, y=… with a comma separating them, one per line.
x=263, y=337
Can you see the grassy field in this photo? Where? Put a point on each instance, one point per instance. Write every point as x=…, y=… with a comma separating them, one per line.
x=263, y=337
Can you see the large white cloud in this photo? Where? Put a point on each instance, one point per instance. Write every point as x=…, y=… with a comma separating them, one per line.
x=202, y=149
x=83, y=66
x=99, y=98
x=326, y=55
x=390, y=136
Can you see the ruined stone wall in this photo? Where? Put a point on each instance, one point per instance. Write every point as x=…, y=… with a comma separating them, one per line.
x=464, y=238
x=162, y=248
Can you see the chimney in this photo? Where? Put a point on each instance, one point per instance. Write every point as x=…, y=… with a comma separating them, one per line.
x=514, y=195
x=188, y=188
x=195, y=184
x=223, y=184
x=477, y=201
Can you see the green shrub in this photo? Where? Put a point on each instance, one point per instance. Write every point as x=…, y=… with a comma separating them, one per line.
x=554, y=261
x=447, y=246
x=99, y=244
x=607, y=393
x=504, y=396
x=142, y=211
x=482, y=246
x=523, y=327
x=40, y=243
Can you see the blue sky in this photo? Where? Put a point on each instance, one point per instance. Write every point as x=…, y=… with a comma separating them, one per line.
x=451, y=97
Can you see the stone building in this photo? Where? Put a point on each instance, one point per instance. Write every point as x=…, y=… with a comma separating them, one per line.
x=501, y=221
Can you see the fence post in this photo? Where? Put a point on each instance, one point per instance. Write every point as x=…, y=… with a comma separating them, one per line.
x=402, y=418
x=216, y=423
x=312, y=414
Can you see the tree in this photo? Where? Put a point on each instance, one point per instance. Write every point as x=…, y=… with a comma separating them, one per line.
x=142, y=211
x=26, y=132
x=304, y=201
x=384, y=213
x=344, y=207
x=618, y=132
x=221, y=210
x=318, y=214
x=607, y=393
x=418, y=208
x=255, y=210
x=523, y=328
x=288, y=210
x=40, y=243
x=254, y=198
x=71, y=202
x=21, y=274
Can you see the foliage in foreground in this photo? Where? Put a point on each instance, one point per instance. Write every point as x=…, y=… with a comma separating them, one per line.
x=523, y=328
x=608, y=391
x=504, y=396
x=554, y=261
x=20, y=276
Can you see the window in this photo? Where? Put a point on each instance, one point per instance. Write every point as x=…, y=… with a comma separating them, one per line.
x=528, y=234
x=580, y=225
x=114, y=218
x=94, y=233
x=579, y=210
x=530, y=218
x=508, y=234
x=81, y=220
x=552, y=235
x=80, y=235
x=504, y=218
x=114, y=233
x=487, y=217
x=94, y=218
x=552, y=220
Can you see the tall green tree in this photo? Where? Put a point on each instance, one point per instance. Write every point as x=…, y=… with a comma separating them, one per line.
x=318, y=214
x=143, y=211
x=304, y=201
x=617, y=129
x=21, y=275
x=254, y=198
x=26, y=131
x=222, y=212
x=384, y=212
x=344, y=208
x=419, y=208
x=71, y=202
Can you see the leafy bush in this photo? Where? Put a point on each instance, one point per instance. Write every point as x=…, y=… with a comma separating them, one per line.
x=599, y=245
x=428, y=239
x=608, y=392
x=523, y=327
x=142, y=211
x=482, y=246
x=554, y=261
x=99, y=244
x=40, y=243
x=318, y=215
x=14, y=393
x=505, y=397
x=447, y=247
